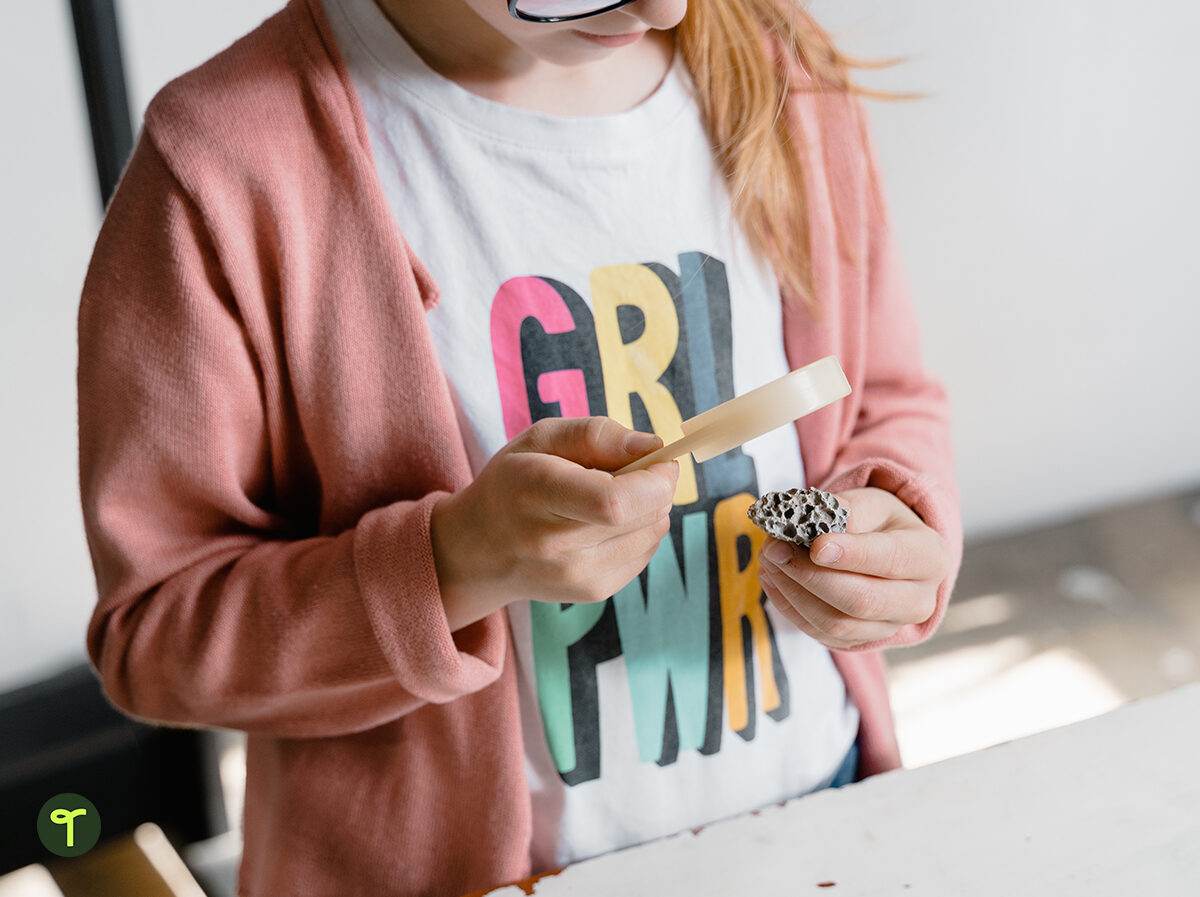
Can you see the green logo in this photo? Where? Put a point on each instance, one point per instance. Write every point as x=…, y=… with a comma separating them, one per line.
x=68, y=825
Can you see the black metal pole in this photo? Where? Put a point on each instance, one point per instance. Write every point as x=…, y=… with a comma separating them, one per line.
x=104, y=85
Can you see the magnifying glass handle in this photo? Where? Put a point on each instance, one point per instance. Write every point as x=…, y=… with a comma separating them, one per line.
x=737, y=421
x=676, y=449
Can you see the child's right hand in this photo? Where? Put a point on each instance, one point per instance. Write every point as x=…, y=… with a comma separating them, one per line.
x=544, y=520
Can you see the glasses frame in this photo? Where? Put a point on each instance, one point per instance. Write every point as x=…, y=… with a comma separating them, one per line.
x=525, y=17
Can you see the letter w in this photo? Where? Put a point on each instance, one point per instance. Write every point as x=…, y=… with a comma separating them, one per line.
x=664, y=638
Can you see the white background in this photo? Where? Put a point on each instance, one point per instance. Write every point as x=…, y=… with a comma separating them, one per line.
x=1044, y=191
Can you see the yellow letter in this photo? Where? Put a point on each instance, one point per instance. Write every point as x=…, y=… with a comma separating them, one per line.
x=740, y=592
x=635, y=367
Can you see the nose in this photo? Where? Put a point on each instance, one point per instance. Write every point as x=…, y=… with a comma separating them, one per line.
x=658, y=14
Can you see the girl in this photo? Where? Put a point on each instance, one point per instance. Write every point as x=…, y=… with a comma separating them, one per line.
x=386, y=292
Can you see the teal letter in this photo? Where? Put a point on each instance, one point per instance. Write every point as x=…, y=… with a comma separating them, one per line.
x=554, y=629
x=665, y=639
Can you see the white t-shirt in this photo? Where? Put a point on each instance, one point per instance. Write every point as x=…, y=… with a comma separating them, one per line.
x=592, y=266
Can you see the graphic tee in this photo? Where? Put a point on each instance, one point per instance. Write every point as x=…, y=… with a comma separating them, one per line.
x=591, y=266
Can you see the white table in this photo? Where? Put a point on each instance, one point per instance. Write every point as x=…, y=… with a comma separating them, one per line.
x=1108, y=806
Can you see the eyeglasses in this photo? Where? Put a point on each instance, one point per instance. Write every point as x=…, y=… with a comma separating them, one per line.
x=560, y=10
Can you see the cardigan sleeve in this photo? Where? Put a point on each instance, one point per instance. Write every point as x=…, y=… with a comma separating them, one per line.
x=214, y=607
x=901, y=438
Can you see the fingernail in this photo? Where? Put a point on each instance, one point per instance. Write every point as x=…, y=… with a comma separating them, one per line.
x=640, y=443
x=778, y=552
x=829, y=553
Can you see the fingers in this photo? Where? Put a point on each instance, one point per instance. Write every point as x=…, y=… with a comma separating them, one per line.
x=854, y=595
x=596, y=442
x=637, y=543
x=614, y=563
x=594, y=497
x=914, y=554
x=567, y=491
x=807, y=613
x=862, y=585
x=569, y=530
x=570, y=460
x=872, y=509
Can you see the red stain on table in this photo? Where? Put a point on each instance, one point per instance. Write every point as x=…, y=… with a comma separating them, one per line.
x=528, y=885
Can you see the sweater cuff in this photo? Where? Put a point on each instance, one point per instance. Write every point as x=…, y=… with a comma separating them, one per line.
x=936, y=505
x=397, y=580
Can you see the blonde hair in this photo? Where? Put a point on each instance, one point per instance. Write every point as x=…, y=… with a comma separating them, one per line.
x=742, y=86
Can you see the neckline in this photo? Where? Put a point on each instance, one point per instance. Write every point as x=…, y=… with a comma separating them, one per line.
x=400, y=72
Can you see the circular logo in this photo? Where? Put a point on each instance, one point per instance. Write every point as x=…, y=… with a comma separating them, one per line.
x=68, y=825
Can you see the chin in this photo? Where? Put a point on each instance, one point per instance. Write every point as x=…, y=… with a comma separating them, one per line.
x=574, y=50
x=568, y=57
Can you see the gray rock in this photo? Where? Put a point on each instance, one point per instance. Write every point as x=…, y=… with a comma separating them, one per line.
x=799, y=515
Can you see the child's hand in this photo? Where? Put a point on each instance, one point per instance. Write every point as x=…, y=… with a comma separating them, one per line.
x=887, y=574
x=544, y=520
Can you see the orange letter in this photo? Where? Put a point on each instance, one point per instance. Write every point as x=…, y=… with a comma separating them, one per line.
x=740, y=592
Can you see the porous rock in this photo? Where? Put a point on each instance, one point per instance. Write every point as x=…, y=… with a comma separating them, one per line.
x=799, y=515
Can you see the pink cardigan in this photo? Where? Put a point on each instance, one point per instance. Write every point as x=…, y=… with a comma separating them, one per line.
x=264, y=429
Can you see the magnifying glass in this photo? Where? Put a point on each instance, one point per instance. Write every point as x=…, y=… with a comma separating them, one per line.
x=759, y=411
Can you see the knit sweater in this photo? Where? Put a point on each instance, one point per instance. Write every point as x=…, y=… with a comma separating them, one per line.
x=265, y=429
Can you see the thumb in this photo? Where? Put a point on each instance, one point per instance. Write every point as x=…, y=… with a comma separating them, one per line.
x=873, y=509
x=596, y=442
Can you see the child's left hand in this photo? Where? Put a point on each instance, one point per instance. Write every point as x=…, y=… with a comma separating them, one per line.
x=885, y=576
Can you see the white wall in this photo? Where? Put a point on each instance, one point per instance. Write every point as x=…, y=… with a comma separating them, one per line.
x=47, y=223
x=1044, y=194
x=1046, y=197
x=162, y=38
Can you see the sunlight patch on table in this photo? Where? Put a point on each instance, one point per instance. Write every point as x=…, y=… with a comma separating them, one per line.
x=984, y=695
